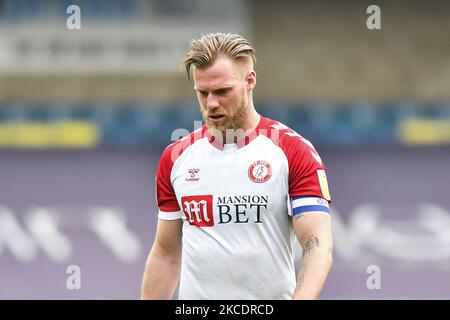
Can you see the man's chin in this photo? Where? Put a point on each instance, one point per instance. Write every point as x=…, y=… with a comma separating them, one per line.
x=217, y=126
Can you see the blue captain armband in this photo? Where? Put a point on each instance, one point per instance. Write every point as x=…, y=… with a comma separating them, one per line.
x=301, y=205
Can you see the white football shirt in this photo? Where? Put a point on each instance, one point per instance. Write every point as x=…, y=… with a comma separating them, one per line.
x=237, y=203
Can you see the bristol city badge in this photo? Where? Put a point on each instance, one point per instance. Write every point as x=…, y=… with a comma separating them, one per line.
x=260, y=171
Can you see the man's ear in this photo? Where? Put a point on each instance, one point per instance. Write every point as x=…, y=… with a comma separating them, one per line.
x=251, y=79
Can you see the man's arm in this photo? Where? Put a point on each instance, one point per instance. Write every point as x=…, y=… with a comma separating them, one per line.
x=313, y=230
x=162, y=270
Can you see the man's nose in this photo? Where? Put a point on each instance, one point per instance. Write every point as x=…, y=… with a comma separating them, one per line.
x=212, y=102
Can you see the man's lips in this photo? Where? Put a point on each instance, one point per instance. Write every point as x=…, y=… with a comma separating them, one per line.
x=216, y=117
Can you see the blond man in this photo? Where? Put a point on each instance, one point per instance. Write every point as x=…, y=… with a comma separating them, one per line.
x=235, y=195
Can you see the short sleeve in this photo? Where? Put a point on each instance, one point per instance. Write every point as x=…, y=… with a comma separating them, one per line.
x=165, y=194
x=308, y=185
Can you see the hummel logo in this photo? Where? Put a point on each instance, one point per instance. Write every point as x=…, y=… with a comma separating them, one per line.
x=192, y=173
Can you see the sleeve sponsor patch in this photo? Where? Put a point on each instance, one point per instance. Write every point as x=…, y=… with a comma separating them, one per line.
x=323, y=184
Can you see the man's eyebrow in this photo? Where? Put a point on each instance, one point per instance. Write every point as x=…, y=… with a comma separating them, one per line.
x=224, y=88
x=216, y=89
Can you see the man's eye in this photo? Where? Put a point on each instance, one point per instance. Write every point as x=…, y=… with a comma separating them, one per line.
x=222, y=91
x=203, y=93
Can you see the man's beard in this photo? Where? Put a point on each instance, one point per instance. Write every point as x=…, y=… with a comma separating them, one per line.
x=232, y=121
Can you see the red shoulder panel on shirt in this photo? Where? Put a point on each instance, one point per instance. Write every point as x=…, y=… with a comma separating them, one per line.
x=303, y=160
x=165, y=194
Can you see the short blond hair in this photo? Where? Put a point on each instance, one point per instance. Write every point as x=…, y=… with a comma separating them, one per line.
x=205, y=50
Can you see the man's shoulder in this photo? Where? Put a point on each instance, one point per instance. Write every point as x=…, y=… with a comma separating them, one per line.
x=285, y=137
x=298, y=150
x=174, y=150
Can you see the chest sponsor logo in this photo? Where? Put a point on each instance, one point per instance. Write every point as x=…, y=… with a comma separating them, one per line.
x=198, y=210
x=241, y=209
x=260, y=171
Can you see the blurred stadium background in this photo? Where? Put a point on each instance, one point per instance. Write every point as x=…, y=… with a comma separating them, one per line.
x=85, y=115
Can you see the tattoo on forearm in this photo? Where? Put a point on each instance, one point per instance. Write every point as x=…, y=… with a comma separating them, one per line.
x=300, y=281
x=312, y=242
x=301, y=277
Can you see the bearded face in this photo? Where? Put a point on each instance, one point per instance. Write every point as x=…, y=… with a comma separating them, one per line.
x=223, y=90
x=227, y=117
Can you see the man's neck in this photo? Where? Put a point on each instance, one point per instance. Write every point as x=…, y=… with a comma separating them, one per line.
x=252, y=121
x=249, y=125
